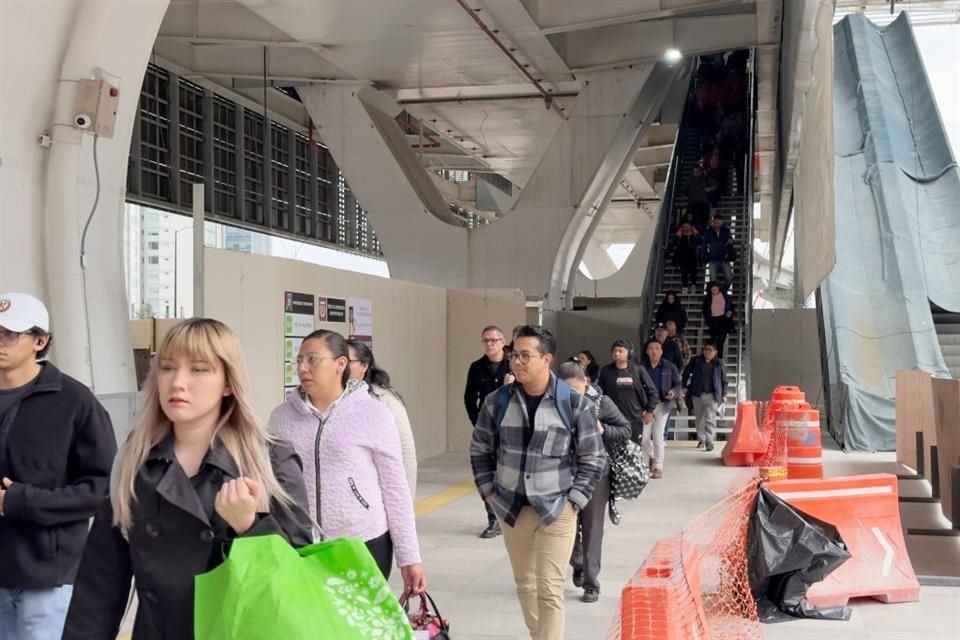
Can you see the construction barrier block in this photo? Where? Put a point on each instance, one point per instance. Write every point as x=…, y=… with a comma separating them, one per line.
x=746, y=444
x=866, y=512
x=804, y=450
x=663, y=600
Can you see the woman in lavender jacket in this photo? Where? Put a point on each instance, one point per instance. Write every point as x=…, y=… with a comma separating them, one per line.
x=352, y=464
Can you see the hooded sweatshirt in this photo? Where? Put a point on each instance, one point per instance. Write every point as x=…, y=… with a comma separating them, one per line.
x=352, y=467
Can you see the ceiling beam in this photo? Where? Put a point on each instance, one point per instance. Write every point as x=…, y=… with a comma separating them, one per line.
x=647, y=16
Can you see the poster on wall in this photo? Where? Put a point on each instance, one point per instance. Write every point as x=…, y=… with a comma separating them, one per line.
x=360, y=320
x=336, y=310
x=298, y=310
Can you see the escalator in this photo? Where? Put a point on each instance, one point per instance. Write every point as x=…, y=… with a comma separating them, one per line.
x=735, y=206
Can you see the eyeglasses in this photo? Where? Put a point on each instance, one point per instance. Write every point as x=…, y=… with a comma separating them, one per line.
x=9, y=338
x=312, y=359
x=491, y=340
x=523, y=357
x=354, y=361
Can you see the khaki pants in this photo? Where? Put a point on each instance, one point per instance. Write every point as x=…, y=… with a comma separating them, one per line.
x=539, y=555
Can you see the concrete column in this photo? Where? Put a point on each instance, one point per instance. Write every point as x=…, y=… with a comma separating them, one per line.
x=49, y=192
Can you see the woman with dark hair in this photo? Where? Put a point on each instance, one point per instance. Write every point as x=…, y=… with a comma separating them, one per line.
x=589, y=364
x=363, y=366
x=672, y=309
x=718, y=312
x=351, y=457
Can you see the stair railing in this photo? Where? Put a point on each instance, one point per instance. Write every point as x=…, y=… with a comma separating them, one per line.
x=653, y=280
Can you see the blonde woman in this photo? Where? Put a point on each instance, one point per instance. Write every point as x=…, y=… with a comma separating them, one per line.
x=198, y=471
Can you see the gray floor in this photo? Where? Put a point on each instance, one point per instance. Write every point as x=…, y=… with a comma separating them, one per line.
x=472, y=583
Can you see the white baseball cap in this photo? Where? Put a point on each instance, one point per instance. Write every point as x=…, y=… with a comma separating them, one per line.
x=20, y=312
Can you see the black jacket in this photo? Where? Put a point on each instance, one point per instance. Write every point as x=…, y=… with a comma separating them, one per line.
x=693, y=378
x=616, y=428
x=675, y=312
x=59, y=447
x=480, y=384
x=176, y=535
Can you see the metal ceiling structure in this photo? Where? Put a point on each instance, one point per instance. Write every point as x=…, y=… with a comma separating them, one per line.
x=486, y=82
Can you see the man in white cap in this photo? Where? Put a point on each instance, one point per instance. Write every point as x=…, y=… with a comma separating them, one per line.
x=56, y=449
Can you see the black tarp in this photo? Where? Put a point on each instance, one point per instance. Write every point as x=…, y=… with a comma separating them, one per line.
x=788, y=551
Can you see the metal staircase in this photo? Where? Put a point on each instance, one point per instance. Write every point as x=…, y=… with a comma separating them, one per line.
x=664, y=275
x=947, y=326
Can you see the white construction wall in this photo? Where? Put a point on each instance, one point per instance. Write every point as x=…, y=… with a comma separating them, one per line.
x=425, y=337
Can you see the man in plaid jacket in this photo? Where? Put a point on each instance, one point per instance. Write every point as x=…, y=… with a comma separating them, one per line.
x=536, y=460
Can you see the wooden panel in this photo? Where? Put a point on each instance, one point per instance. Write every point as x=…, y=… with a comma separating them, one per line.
x=410, y=329
x=914, y=413
x=141, y=334
x=468, y=312
x=946, y=410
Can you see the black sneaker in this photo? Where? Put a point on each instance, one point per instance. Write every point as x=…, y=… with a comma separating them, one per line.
x=709, y=447
x=578, y=577
x=700, y=445
x=492, y=530
x=590, y=595
x=614, y=513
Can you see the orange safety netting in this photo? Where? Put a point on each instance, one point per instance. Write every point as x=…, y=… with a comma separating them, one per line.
x=695, y=586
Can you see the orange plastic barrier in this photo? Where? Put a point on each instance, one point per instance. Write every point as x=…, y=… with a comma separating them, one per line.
x=787, y=393
x=663, y=601
x=866, y=512
x=746, y=444
x=804, y=449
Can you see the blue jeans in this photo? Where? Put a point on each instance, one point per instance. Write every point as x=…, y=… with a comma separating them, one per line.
x=33, y=614
x=721, y=271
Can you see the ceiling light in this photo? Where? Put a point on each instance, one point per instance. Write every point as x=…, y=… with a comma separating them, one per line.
x=673, y=55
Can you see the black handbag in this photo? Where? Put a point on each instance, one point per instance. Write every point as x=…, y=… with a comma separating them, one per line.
x=629, y=473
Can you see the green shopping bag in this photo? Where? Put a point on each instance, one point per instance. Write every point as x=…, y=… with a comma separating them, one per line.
x=267, y=590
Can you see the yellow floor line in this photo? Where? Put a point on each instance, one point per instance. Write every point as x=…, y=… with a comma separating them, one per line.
x=438, y=500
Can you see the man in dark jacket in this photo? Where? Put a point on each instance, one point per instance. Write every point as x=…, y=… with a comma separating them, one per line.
x=700, y=187
x=630, y=388
x=717, y=241
x=671, y=350
x=485, y=376
x=616, y=430
x=705, y=380
x=56, y=449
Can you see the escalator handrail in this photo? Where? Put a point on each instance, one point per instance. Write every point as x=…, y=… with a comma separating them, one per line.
x=653, y=280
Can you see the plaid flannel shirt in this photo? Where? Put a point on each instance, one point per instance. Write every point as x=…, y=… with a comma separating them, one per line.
x=558, y=464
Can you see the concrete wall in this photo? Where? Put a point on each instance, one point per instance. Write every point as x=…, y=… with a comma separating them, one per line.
x=595, y=330
x=424, y=340
x=785, y=350
x=468, y=312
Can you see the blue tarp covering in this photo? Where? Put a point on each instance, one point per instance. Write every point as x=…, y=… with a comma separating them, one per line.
x=898, y=228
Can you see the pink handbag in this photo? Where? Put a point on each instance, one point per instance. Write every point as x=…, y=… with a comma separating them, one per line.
x=427, y=622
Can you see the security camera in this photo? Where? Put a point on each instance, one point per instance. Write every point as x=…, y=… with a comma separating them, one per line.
x=82, y=121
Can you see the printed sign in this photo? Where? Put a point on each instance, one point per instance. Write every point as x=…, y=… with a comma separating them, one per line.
x=336, y=310
x=360, y=320
x=321, y=309
x=298, y=323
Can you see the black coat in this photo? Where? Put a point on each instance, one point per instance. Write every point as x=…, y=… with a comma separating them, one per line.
x=175, y=536
x=58, y=448
x=480, y=384
x=674, y=312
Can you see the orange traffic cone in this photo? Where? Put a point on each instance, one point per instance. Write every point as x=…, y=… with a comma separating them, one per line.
x=746, y=444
